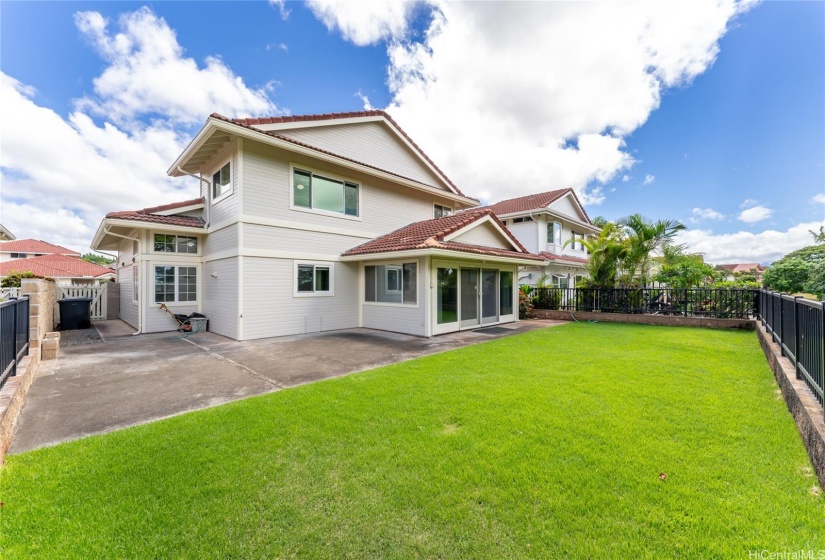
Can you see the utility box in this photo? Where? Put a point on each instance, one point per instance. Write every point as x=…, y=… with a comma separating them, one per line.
x=75, y=313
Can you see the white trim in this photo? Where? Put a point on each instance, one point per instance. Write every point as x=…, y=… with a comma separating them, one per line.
x=477, y=223
x=177, y=265
x=231, y=190
x=179, y=210
x=306, y=262
x=260, y=136
x=332, y=176
x=288, y=224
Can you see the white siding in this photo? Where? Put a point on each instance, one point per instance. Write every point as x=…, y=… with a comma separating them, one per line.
x=384, y=207
x=220, y=296
x=485, y=235
x=567, y=206
x=371, y=143
x=129, y=311
x=277, y=238
x=400, y=318
x=270, y=308
x=220, y=241
x=527, y=234
x=225, y=209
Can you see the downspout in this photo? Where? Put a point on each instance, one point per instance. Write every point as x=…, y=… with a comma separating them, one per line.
x=107, y=231
x=208, y=193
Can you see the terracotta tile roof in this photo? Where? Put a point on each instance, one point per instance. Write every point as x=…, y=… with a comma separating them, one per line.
x=533, y=202
x=149, y=215
x=566, y=258
x=34, y=246
x=742, y=267
x=55, y=266
x=251, y=123
x=430, y=234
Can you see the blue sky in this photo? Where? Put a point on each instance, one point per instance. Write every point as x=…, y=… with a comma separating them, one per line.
x=715, y=117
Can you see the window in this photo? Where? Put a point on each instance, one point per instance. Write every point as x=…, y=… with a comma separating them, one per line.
x=135, y=281
x=577, y=245
x=322, y=193
x=441, y=211
x=313, y=279
x=560, y=281
x=175, y=244
x=222, y=181
x=520, y=220
x=554, y=233
x=175, y=284
x=19, y=255
x=391, y=283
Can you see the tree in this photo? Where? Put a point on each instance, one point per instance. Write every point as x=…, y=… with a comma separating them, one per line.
x=683, y=271
x=645, y=239
x=15, y=277
x=818, y=237
x=606, y=250
x=97, y=259
x=796, y=271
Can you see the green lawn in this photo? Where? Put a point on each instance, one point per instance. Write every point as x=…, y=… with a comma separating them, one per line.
x=548, y=444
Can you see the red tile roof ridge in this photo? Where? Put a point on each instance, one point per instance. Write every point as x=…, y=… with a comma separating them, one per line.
x=249, y=123
x=162, y=207
x=552, y=257
x=56, y=265
x=537, y=201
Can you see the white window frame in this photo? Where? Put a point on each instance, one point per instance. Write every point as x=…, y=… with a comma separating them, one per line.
x=400, y=267
x=176, y=236
x=446, y=211
x=394, y=268
x=177, y=266
x=577, y=245
x=551, y=233
x=324, y=264
x=230, y=187
x=136, y=282
x=307, y=169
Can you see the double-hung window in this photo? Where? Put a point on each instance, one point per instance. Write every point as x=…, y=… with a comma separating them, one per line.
x=577, y=244
x=176, y=284
x=554, y=233
x=313, y=279
x=222, y=181
x=391, y=283
x=325, y=194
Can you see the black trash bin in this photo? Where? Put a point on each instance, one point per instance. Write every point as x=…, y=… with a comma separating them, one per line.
x=75, y=313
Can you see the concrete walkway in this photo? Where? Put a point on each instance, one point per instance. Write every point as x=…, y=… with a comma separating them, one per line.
x=123, y=380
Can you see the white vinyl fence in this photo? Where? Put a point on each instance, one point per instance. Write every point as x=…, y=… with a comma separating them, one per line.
x=97, y=293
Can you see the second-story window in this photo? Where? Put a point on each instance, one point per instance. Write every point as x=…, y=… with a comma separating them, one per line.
x=222, y=181
x=175, y=244
x=323, y=193
x=577, y=244
x=554, y=233
x=441, y=211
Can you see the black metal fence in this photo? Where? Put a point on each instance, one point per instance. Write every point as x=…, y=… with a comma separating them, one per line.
x=797, y=325
x=694, y=302
x=14, y=335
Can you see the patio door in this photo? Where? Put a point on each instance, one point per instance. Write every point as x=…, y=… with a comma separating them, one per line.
x=489, y=296
x=469, y=294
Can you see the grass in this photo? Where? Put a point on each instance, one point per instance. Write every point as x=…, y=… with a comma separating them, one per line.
x=547, y=444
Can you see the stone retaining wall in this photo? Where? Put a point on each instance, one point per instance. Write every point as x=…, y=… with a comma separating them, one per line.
x=670, y=320
x=805, y=409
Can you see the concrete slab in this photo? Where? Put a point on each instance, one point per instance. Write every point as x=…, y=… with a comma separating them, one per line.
x=129, y=380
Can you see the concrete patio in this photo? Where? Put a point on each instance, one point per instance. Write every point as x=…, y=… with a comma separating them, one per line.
x=116, y=380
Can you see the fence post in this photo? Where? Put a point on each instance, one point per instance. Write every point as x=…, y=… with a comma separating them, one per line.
x=14, y=346
x=796, y=331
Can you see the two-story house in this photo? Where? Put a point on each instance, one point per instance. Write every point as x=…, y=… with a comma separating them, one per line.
x=550, y=224
x=314, y=223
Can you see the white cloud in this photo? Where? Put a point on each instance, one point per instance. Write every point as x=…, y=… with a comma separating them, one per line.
x=755, y=214
x=553, y=86
x=749, y=203
x=744, y=246
x=818, y=199
x=118, y=164
x=147, y=74
x=365, y=22
x=705, y=214
x=280, y=46
x=649, y=180
x=281, y=5
x=625, y=178
x=365, y=101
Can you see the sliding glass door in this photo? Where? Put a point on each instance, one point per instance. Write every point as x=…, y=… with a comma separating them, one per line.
x=489, y=296
x=468, y=297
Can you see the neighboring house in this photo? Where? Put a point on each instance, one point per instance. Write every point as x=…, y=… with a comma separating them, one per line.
x=5, y=234
x=740, y=268
x=310, y=224
x=65, y=270
x=25, y=248
x=550, y=225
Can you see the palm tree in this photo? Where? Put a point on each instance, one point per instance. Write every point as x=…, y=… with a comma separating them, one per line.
x=645, y=240
x=606, y=250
